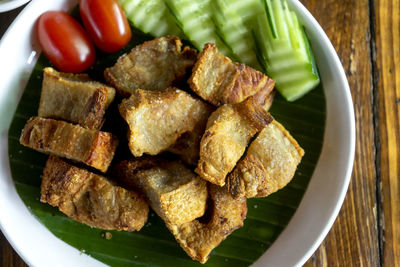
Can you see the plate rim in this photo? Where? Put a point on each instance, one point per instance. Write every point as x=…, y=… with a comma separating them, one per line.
x=12, y=4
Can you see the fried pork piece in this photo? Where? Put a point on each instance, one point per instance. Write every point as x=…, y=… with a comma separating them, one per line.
x=91, y=147
x=229, y=130
x=91, y=199
x=220, y=81
x=269, y=165
x=223, y=216
x=157, y=119
x=154, y=65
x=187, y=146
x=74, y=98
x=174, y=192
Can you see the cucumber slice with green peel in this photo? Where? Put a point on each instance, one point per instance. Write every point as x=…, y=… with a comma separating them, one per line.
x=151, y=16
x=195, y=20
x=280, y=19
x=296, y=89
x=310, y=54
x=271, y=18
x=297, y=35
x=284, y=50
x=234, y=33
x=246, y=9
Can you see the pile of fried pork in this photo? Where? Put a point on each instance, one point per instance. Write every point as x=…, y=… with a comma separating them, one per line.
x=228, y=147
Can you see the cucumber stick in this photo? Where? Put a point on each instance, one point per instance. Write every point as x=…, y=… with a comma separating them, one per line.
x=151, y=16
x=285, y=51
x=194, y=17
x=233, y=31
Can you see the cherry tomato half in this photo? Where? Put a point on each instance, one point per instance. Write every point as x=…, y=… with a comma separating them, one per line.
x=105, y=23
x=65, y=42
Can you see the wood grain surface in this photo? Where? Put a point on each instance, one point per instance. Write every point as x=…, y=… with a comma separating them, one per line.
x=8, y=257
x=387, y=124
x=366, y=35
x=353, y=240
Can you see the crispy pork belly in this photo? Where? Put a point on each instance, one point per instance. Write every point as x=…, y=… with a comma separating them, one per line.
x=220, y=81
x=174, y=192
x=224, y=215
x=154, y=65
x=91, y=147
x=74, y=98
x=157, y=119
x=269, y=165
x=91, y=199
x=229, y=130
x=187, y=146
x=179, y=197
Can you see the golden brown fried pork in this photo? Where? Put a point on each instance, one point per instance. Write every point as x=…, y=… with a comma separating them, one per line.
x=157, y=119
x=223, y=216
x=269, y=165
x=187, y=146
x=154, y=65
x=229, y=130
x=91, y=199
x=220, y=81
x=74, y=98
x=178, y=196
x=174, y=192
x=91, y=147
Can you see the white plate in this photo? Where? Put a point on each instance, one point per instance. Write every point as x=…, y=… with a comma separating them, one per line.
x=6, y=5
x=305, y=231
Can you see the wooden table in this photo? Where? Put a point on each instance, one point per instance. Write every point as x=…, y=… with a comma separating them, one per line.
x=366, y=35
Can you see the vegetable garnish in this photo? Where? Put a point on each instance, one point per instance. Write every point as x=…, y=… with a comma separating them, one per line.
x=265, y=34
x=106, y=24
x=65, y=42
x=285, y=50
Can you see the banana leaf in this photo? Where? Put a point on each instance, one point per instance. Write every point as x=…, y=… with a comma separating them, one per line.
x=154, y=245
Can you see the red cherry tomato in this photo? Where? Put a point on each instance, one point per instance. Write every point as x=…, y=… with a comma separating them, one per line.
x=65, y=42
x=105, y=23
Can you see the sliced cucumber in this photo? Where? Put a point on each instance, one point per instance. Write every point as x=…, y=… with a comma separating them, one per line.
x=195, y=20
x=246, y=9
x=285, y=51
x=271, y=18
x=233, y=31
x=151, y=16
